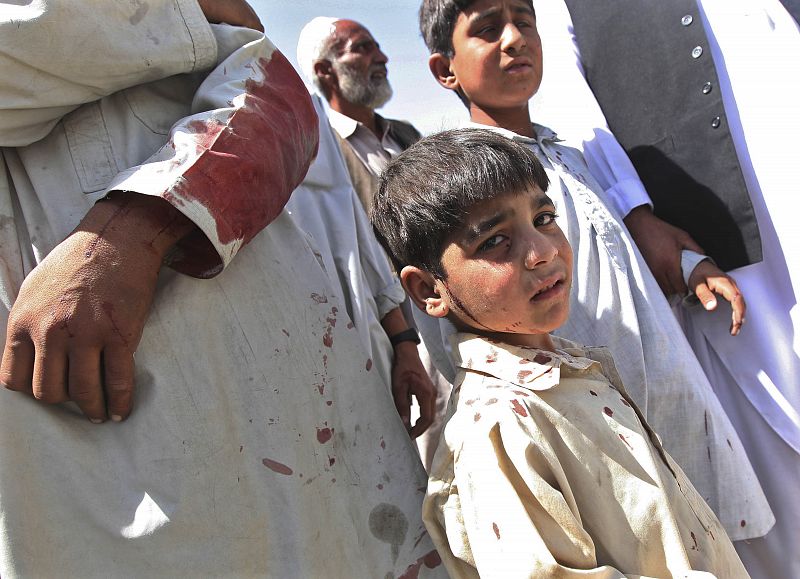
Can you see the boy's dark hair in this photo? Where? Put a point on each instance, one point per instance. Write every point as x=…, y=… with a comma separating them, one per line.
x=427, y=191
x=437, y=19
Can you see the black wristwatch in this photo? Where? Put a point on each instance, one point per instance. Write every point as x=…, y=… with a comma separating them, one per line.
x=409, y=335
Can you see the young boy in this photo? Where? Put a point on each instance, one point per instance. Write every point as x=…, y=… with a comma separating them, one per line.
x=546, y=467
x=489, y=53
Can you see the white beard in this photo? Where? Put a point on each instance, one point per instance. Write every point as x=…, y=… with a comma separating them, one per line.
x=357, y=89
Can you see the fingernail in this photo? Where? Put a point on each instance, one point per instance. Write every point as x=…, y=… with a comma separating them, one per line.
x=711, y=304
x=96, y=420
x=116, y=418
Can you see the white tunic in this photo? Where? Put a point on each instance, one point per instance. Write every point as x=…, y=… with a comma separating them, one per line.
x=262, y=442
x=755, y=46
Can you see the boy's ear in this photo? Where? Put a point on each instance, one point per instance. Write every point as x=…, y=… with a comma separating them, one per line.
x=440, y=68
x=423, y=290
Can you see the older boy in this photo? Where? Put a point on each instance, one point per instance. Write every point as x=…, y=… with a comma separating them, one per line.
x=490, y=54
x=546, y=467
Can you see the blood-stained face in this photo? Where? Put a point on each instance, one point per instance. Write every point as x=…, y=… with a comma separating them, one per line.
x=509, y=270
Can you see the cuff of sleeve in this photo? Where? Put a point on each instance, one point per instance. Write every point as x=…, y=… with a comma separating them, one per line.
x=202, y=37
x=689, y=260
x=627, y=195
x=390, y=298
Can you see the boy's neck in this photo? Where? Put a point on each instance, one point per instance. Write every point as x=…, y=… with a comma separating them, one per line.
x=517, y=119
x=537, y=341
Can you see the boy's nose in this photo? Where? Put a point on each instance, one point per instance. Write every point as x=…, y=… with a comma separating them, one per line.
x=540, y=250
x=512, y=39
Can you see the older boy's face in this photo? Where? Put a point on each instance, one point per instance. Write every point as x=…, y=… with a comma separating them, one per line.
x=509, y=270
x=497, y=56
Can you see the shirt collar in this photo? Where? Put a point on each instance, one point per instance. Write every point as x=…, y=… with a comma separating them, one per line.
x=342, y=124
x=346, y=127
x=529, y=368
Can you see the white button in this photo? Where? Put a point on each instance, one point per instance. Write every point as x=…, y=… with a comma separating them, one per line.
x=687, y=20
x=697, y=51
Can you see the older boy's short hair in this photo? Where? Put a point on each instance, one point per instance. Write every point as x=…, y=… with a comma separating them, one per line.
x=427, y=191
x=437, y=19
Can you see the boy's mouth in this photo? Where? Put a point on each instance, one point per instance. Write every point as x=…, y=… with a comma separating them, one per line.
x=549, y=289
x=518, y=65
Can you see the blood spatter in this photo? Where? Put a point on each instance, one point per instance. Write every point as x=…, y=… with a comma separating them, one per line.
x=324, y=434
x=431, y=561
x=320, y=299
x=276, y=466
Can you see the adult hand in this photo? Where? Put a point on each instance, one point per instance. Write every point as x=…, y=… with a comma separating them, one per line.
x=410, y=378
x=707, y=279
x=661, y=245
x=234, y=12
x=80, y=313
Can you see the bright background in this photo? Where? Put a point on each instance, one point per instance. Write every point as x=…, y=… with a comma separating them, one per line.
x=564, y=102
x=417, y=97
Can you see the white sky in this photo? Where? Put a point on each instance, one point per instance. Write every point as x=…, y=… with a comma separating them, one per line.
x=417, y=97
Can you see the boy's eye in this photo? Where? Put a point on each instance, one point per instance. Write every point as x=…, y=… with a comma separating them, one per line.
x=491, y=243
x=545, y=219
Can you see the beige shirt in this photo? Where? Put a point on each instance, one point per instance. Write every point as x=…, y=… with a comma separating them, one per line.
x=375, y=153
x=546, y=469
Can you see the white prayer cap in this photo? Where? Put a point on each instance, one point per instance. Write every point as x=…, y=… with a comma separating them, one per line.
x=311, y=44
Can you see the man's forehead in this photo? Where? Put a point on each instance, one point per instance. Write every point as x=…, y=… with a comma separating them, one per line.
x=350, y=31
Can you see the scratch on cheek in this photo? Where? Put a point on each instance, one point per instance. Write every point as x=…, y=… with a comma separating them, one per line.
x=460, y=305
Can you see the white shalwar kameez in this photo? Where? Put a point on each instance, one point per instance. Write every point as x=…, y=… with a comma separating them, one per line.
x=756, y=375
x=261, y=442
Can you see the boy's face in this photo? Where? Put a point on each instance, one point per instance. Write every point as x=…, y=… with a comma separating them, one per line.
x=497, y=60
x=509, y=270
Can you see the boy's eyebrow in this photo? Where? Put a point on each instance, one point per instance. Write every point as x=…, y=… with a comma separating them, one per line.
x=475, y=231
x=489, y=12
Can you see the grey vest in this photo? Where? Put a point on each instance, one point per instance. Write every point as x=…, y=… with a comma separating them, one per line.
x=649, y=64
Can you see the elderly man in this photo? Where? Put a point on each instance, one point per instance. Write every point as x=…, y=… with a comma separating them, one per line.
x=260, y=422
x=347, y=67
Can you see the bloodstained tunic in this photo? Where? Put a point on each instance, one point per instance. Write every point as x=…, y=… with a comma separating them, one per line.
x=262, y=442
x=547, y=469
